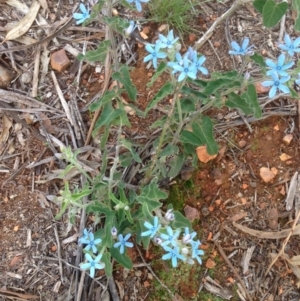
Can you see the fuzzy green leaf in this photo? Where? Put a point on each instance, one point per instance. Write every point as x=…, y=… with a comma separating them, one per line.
x=273, y=12
x=204, y=131
x=180, y=221
x=105, y=98
x=108, y=115
x=190, y=138
x=108, y=266
x=126, y=143
x=296, y=7
x=235, y=101
x=160, y=95
x=123, y=77
x=176, y=165
x=251, y=98
x=98, y=55
x=258, y=59
x=259, y=5
x=123, y=259
x=160, y=70
x=169, y=150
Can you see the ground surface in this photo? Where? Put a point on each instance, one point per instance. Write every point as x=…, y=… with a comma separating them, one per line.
x=38, y=253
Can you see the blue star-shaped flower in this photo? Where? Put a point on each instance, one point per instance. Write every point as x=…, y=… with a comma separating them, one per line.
x=137, y=4
x=92, y=264
x=171, y=237
x=280, y=67
x=81, y=17
x=152, y=228
x=90, y=242
x=196, y=253
x=187, y=236
x=198, y=63
x=290, y=46
x=276, y=83
x=122, y=243
x=154, y=53
x=187, y=69
x=169, y=41
x=173, y=254
x=240, y=50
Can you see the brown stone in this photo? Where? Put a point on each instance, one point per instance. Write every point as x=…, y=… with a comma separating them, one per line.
x=59, y=60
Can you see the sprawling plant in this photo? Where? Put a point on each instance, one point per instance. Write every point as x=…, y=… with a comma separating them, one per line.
x=127, y=214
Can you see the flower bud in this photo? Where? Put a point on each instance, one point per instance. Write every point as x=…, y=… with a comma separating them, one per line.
x=169, y=215
x=114, y=231
x=157, y=240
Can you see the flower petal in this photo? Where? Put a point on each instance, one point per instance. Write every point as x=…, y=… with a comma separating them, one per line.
x=149, y=48
x=284, y=89
x=85, y=266
x=267, y=83
x=245, y=44
x=272, y=92
x=83, y=9
x=287, y=39
x=281, y=60
x=235, y=46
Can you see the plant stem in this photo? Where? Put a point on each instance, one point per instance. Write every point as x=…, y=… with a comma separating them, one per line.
x=162, y=135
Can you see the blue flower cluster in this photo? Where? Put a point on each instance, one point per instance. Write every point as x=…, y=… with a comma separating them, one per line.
x=91, y=243
x=277, y=70
x=187, y=65
x=185, y=249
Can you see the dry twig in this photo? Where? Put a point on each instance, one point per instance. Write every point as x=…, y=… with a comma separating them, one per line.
x=284, y=243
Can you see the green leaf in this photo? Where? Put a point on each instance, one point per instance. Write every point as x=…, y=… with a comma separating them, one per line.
x=160, y=69
x=187, y=105
x=197, y=82
x=123, y=259
x=273, y=12
x=223, y=82
x=204, y=130
x=235, y=101
x=169, y=150
x=191, y=92
x=161, y=94
x=146, y=212
x=108, y=266
x=151, y=192
x=296, y=7
x=190, y=138
x=105, y=98
x=106, y=236
x=259, y=5
x=125, y=159
x=226, y=75
x=176, y=165
x=258, y=59
x=100, y=208
x=180, y=221
x=123, y=77
x=251, y=97
x=97, y=55
x=127, y=144
x=108, y=115
x=116, y=23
